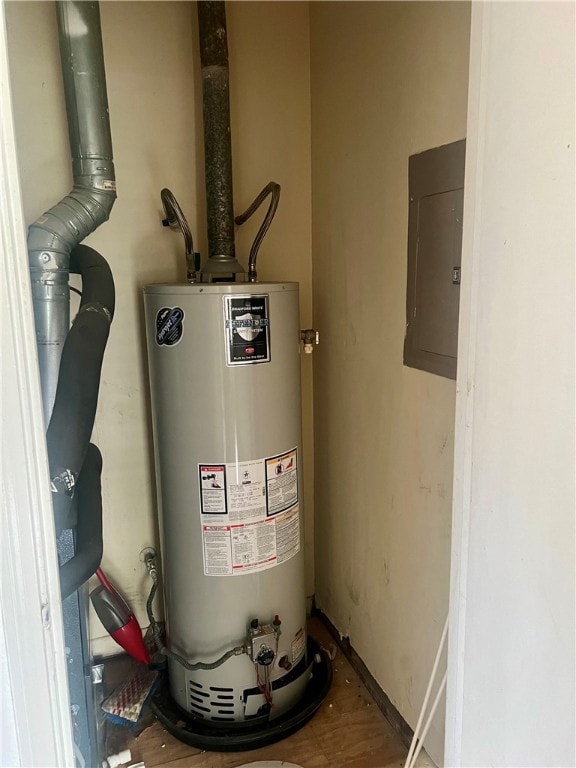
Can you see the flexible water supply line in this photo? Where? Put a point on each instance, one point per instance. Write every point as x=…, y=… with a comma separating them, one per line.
x=175, y=217
x=272, y=189
x=150, y=561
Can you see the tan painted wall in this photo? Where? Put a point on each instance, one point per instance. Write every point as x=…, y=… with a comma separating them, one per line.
x=388, y=80
x=152, y=70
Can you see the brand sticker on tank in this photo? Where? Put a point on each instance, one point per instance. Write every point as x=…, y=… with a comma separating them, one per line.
x=169, y=326
x=247, y=326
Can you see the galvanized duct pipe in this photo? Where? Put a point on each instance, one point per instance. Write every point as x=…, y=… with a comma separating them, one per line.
x=53, y=236
x=222, y=264
x=70, y=359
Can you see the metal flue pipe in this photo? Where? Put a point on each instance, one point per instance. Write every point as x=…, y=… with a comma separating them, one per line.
x=222, y=263
x=53, y=235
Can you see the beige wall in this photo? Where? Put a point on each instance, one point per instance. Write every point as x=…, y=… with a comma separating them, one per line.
x=155, y=106
x=388, y=80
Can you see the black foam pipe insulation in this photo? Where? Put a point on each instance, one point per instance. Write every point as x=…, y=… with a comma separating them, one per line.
x=72, y=419
x=88, y=544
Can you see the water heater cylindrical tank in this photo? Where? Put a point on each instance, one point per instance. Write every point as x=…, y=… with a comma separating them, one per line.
x=224, y=364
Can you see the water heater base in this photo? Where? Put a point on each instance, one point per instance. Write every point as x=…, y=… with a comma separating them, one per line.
x=241, y=736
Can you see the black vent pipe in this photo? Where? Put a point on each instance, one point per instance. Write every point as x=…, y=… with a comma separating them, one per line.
x=222, y=264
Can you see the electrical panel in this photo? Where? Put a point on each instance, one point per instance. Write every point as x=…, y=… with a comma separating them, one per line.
x=436, y=185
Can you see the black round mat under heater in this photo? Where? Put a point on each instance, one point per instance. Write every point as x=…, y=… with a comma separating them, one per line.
x=241, y=736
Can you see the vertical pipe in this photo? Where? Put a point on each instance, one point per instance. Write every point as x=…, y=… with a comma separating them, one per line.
x=51, y=299
x=51, y=239
x=54, y=234
x=217, y=140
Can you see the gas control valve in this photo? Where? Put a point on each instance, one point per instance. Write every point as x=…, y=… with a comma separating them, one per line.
x=263, y=641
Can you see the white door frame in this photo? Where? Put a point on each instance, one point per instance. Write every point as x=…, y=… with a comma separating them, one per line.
x=464, y=419
x=535, y=630
x=36, y=727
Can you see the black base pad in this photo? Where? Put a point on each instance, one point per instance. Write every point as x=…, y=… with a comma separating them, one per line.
x=238, y=737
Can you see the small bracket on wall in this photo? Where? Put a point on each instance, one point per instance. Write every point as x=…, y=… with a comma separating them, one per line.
x=147, y=553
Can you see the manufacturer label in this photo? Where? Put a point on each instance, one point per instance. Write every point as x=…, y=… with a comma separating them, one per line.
x=169, y=326
x=250, y=515
x=247, y=325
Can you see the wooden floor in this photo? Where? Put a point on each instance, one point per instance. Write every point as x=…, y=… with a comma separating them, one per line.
x=348, y=731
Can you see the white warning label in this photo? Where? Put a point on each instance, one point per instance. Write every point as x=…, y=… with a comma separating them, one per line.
x=213, y=489
x=246, y=491
x=281, y=482
x=249, y=513
x=287, y=534
x=217, y=552
x=253, y=546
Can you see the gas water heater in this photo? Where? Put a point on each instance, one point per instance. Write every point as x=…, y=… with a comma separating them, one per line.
x=225, y=383
x=224, y=364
